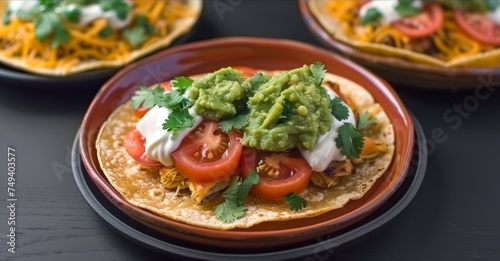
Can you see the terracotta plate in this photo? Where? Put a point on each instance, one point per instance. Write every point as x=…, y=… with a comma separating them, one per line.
x=399, y=71
x=268, y=54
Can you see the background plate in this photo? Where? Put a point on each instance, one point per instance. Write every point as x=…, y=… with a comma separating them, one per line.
x=396, y=70
x=146, y=237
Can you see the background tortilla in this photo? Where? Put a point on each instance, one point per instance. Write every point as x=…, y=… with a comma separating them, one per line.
x=140, y=185
x=182, y=26
x=332, y=26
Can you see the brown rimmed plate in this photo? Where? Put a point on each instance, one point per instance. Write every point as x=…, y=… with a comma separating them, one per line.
x=267, y=54
x=394, y=69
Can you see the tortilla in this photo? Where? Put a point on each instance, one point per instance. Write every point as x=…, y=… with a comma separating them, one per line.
x=181, y=27
x=486, y=59
x=141, y=186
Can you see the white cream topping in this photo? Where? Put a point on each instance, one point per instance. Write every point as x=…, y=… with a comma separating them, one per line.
x=24, y=5
x=495, y=15
x=387, y=8
x=161, y=143
x=88, y=13
x=325, y=150
x=92, y=12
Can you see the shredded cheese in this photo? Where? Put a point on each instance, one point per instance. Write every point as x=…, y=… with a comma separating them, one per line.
x=450, y=42
x=18, y=40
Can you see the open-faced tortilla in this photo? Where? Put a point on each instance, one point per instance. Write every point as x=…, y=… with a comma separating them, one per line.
x=141, y=185
x=18, y=41
x=333, y=25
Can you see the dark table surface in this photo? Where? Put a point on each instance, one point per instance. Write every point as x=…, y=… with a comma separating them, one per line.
x=454, y=216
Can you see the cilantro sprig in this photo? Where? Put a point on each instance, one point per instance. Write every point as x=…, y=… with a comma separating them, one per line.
x=372, y=15
x=350, y=141
x=318, y=72
x=286, y=113
x=295, y=202
x=237, y=122
x=407, y=8
x=233, y=207
x=179, y=118
x=339, y=110
x=365, y=120
x=138, y=34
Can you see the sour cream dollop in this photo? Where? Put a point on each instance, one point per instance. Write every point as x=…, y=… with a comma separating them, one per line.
x=494, y=15
x=92, y=12
x=387, y=8
x=161, y=143
x=325, y=150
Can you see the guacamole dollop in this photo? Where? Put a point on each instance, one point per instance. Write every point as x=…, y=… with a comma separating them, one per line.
x=289, y=110
x=217, y=94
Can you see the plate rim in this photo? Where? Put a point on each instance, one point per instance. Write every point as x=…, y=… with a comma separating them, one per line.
x=383, y=89
x=168, y=248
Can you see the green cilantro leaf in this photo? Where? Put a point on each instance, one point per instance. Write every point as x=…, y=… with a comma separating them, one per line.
x=339, y=110
x=138, y=34
x=170, y=99
x=295, y=202
x=318, y=72
x=6, y=16
x=72, y=14
x=365, y=119
x=43, y=25
x=147, y=97
x=231, y=192
x=177, y=120
x=406, y=8
x=135, y=36
x=142, y=21
x=234, y=123
x=286, y=113
x=246, y=185
x=61, y=35
x=26, y=14
x=182, y=83
x=235, y=194
x=350, y=141
x=372, y=15
x=252, y=84
x=229, y=212
x=121, y=8
x=106, y=31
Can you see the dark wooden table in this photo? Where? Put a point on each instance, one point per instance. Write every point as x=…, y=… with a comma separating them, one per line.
x=454, y=216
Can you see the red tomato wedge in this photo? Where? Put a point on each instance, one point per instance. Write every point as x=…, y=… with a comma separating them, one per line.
x=279, y=173
x=141, y=111
x=423, y=24
x=134, y=145
x=208, y=154
x=246, y=71
x=479, y=27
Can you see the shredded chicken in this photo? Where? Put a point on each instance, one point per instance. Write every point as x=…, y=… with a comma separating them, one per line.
x=329, y=177
x=172, y=179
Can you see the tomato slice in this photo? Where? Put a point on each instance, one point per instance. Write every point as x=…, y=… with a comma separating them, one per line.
x=423, y=24
x=134, y=145
x=478, y=26
x=141, y=111
x=208, y=154
x=279, y=173
x=246, y=71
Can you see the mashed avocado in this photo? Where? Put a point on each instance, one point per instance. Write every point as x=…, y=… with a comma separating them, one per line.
x=287, y=111
x=217, y=94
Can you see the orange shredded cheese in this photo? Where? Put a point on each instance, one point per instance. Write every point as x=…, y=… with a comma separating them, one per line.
x=450, y=42
x=18, y=39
